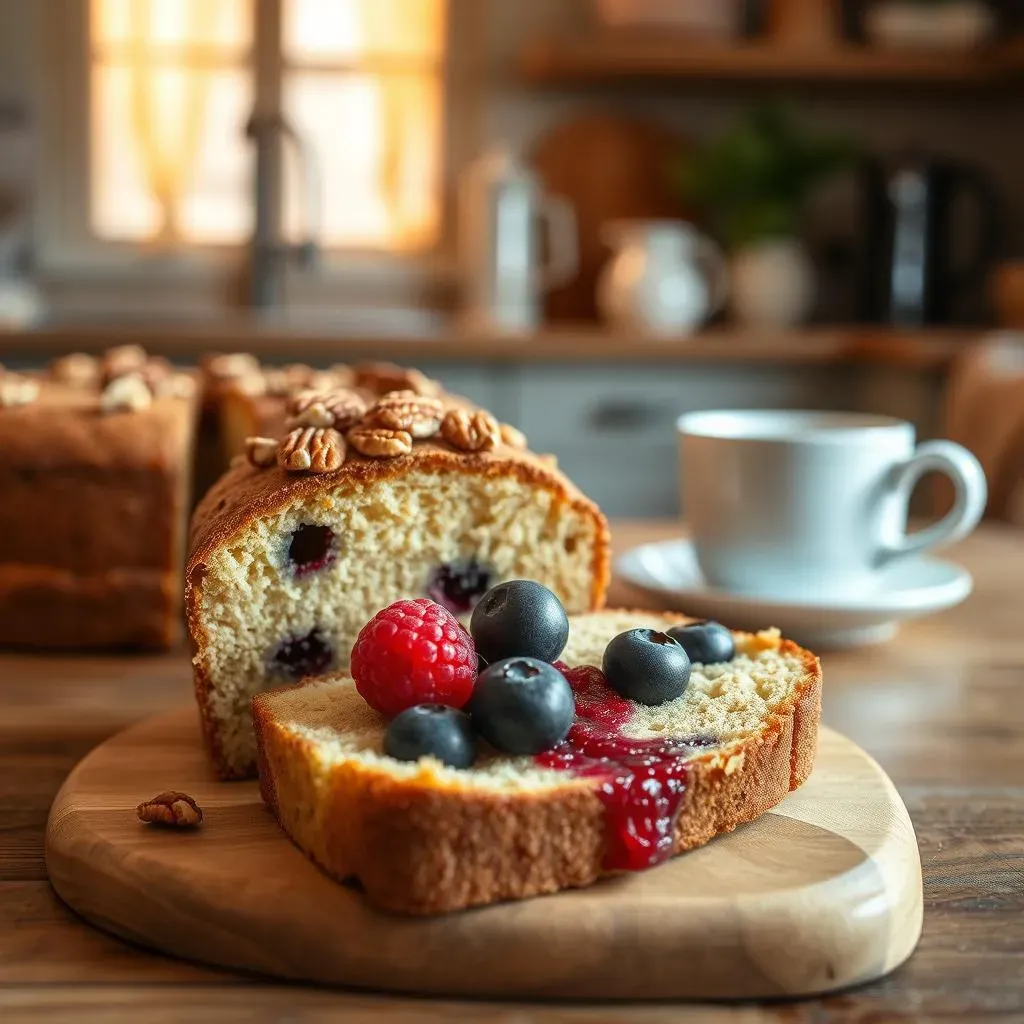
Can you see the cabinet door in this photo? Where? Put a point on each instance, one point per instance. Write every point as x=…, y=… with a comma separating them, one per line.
x=613, y=427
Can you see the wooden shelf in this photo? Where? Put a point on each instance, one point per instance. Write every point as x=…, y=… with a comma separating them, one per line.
x=607, y=57
x=927, y=349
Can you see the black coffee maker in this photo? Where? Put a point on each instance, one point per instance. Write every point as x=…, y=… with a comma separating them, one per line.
x=920, y=212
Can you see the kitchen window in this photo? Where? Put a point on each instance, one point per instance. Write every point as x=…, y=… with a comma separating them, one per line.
x=151, y=147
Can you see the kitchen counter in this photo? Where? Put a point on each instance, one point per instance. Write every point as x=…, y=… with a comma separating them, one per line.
x=939, y=707
x=308, y=340
x=589, y=395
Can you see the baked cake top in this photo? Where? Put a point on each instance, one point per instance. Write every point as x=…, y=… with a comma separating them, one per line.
x=336, y=435
x=125, y=409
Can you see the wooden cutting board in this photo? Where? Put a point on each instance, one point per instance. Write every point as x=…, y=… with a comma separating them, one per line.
x=822, y=893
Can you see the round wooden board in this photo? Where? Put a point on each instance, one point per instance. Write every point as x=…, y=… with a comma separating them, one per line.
x=821, y=893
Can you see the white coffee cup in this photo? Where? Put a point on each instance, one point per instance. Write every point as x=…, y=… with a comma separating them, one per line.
x=813, y=505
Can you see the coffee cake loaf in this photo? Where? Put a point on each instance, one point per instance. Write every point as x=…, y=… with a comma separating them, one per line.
x=355, y=507
x=95, y=466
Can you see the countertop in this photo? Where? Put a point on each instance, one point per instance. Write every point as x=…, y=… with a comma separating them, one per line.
x=927, y=349
x=940, y=707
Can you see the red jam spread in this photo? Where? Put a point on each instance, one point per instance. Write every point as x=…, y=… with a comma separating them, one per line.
x=642, y=781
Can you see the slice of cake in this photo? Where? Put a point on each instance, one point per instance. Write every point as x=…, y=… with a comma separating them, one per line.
x=629, y=786
x=355, y=507
x=95, y=466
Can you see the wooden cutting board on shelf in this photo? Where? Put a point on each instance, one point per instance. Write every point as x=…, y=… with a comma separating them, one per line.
x=822, y=893
x=609, y=168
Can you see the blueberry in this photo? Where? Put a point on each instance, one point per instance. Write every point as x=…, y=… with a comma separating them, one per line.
x=520, y=618
x=646, y=666
x=299, y=656
x=458, y=586
x=431, y=730
x=705, y=642
x=522, y=706
x=311, y=548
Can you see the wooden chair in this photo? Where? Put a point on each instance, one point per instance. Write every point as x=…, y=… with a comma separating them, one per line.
x=984, y=411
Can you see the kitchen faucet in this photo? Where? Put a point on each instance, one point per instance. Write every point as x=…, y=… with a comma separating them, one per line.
x=269, y=251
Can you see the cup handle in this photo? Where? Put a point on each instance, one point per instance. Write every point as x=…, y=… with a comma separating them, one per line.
x=718, y=272
x=564, y=257
x=968, y=478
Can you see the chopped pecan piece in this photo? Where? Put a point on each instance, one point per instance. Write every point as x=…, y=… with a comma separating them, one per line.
x=470, y=430
x=380, y=442
x=126, y=394
x=231, y=365
x=261, y=451
x=418, y=415
x=513, y=438
x=122, y=360
x=311, y=450
x=17, y=390
x=77, y=368
x=382, y=378
x=177, y=810
x=177, y=385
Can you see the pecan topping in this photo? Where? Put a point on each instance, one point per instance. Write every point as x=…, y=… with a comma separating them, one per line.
x=254, y=384
x=178, y=810
x=154, y=371
x=416, y=414
x=512, y=437
x=17, y=390
x=379, y=442
x=339, y=408
x=261, y=451
x=286, y=379
x=470, y=430
x=382, y=378
x=177, y=385
x=232, y=365
x=311, y=450
x=122, y=360
x=77, y=368
x=126, y=394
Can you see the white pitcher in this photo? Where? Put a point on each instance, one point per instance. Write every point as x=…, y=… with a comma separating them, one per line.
x=504, y=215
x=666, y=277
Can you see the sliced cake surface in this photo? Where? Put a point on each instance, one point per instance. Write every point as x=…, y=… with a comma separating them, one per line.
x=424, y=838
x=285, y=567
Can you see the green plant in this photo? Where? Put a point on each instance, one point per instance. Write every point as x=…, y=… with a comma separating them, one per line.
x=754, y=180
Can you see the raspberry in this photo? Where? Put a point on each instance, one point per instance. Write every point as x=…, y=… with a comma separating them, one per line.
x=413, y=652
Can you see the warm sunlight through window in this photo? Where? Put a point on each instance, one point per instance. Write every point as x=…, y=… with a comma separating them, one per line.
x=173, y=86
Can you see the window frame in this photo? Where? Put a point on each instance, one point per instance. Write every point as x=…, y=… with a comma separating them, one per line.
x=82, y=273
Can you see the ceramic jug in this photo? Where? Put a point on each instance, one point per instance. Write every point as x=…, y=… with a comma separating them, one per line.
x=665, y=277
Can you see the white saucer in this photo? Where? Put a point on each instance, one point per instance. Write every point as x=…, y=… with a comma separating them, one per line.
x=917, y=586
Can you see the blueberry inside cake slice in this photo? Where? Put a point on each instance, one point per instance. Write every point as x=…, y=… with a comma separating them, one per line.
x=498, y=789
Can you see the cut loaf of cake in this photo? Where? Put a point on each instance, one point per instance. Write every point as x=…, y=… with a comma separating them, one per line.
x=292, y=555
x=423, y=838
x=95, y=465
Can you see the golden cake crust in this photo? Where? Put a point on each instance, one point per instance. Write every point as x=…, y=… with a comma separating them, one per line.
x=246, y=493
x=420, y=849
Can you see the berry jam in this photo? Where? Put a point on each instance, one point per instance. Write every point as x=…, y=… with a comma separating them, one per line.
x=458, y=586
x=301, y=656
x=643, y=781
x=311, y=548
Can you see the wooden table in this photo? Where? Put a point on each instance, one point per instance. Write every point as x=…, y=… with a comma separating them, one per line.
x=942, y=708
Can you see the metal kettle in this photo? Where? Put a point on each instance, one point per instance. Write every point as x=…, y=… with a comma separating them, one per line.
x=915, y=272
x=506, y=221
